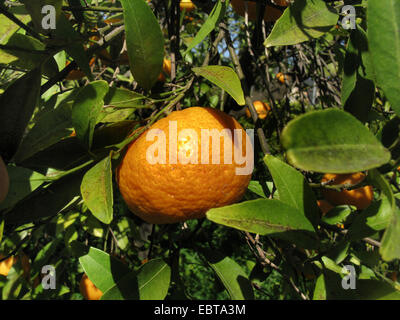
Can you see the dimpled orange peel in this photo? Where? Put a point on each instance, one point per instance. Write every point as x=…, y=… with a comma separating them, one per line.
x=181, y=189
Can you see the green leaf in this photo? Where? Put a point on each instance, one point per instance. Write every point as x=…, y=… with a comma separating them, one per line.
x=383, y=18
x=336, y=215
x=22, y=182
x=332, y=141
x=43, y=257
x=390, y=249
x=231, y=275
x=303, y=20
x=97, y=191
x=256, y=187
x=375, y=290
x=225, y=78
x=17, y=104
x=378, y=215
x=102, y=269
x=86, y=110
x=331, y=265
x=57, y=196
x=358, y=91
x=121, y=103
x=267, y=217
x=320, y=290
x=8, y=28
x=150, y=282
x=145, y=42
x=47, y=131
x=30, y=53
x=209, y=25
x=293, y=188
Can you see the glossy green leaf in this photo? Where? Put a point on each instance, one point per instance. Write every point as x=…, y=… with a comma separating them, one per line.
x=225, y=78
x=145, y=42
x=57, y=196
x=86, y=110
x=209, y=25
x=30, y=53
x=102, y=269
x=383, y=18
x=97, y=191
x=293, y=188
x=66, y=35
x=320, y=289
x=50, y=128
x=336, y=215
x=390, y=249
x=332, y=141
x=150, y=282
x=16, y=110
x=256, y=187
x=22, y=182
x=120, y=103
x=8, y=28
x=303, y=20
x=267, y=217
x=231, y=275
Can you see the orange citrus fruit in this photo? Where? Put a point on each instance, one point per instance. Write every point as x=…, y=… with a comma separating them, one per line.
x=7, y=264
x=281, y=77
x=4, y=180
x=166, y=70
x=270, y=14
x=360, y=197
x=172, y=172
x=88, y=290
x=187, y=5
x=262, y=108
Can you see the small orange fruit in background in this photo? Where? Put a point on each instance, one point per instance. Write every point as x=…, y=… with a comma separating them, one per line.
x=6, y=265
x=174, y=191
x=166, y=70
x=4, y=180
x=281, y=77
x=187, y=5
x=88, y=290
x=270, y=14
x=360, y=197
x=262, y=108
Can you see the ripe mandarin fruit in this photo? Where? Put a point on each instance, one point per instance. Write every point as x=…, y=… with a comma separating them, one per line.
x=185, y=188
x=281, y=77
x=270, y=14
x=262, y=108
x=187, y=5
x=360, y=197
x=324, y=206
x=6, y=265
x=88, y=290
x=166, y=70
x=4, y=180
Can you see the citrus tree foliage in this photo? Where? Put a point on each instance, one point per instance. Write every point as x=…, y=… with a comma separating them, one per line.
x=73, y=96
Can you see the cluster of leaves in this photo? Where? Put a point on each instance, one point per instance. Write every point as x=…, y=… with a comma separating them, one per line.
x=63, y=136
